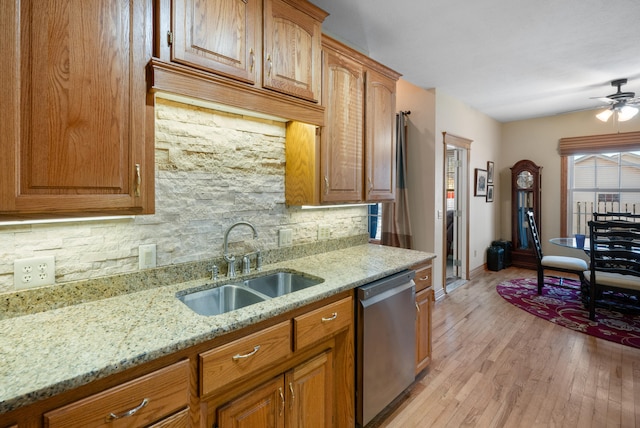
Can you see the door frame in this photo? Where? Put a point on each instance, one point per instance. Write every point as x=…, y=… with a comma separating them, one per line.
x=464, y=144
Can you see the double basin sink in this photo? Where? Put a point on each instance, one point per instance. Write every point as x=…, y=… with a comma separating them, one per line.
x=229, y=297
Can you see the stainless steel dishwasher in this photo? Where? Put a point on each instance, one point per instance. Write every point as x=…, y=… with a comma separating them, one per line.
x=385, y=343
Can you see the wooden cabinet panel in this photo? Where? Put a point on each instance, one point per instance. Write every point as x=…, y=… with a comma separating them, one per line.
x=424, y=304
x=342, y=138
x=310, y=393
x=322, y=323
x=244, y=356
x=292, y=48
x=262, y=407
x=177, y=420
x=76, y=90
x=155, y=395
x=380, y=138
x=218, y=35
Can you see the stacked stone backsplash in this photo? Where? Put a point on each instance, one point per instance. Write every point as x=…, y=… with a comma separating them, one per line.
x=212, y=170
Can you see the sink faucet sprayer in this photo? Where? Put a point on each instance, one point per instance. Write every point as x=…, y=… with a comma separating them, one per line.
x=230, y=258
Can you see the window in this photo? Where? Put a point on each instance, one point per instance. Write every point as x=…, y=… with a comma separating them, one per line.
x=375, y=222
x=604, y=182
x=601, y=174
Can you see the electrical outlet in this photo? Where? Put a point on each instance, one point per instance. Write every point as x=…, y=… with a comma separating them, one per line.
x=146, y=256
x=34, y=272
x=324, y=232
x=285, y=237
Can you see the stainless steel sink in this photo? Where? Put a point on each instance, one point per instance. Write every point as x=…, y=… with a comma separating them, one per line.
x=229, y=297
x=219, y=300
x=281, y=283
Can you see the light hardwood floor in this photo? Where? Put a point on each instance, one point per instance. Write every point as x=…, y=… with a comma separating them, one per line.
x=495, y=365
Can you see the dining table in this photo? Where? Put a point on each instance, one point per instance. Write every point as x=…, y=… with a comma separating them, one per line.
x=570, y=242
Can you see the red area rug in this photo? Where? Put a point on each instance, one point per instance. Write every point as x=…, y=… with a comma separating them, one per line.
x=562, y=305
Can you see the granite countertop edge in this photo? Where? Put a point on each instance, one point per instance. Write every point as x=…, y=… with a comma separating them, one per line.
x=51, y=352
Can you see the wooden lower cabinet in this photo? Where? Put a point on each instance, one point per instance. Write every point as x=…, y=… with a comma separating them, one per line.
x=293, y=370
x=424, y=304
x=302, y=397
x=425, y=298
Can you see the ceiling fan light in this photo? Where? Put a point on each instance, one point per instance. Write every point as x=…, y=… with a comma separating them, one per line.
x=605, y=115
x=626, y=113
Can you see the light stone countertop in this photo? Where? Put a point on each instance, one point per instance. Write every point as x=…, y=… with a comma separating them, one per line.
x=47, y=353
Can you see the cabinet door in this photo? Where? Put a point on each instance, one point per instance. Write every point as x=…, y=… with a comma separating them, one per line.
x=380, y=139
x=424, y=304
x=76, y=135
x=342, y=138
x=262, y=407
x=310, y=392
x=292, y=49
x=218, y=35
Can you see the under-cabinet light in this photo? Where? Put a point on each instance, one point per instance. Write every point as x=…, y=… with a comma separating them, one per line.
x=63, y=220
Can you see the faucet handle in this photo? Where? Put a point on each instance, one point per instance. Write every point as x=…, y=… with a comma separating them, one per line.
x=246, y=264
x=214, y=272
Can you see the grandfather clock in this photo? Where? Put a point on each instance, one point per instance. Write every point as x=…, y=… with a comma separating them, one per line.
x=525, y=196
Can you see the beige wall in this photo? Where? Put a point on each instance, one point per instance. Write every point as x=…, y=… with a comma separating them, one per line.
x=537, y=140
x=434, y=112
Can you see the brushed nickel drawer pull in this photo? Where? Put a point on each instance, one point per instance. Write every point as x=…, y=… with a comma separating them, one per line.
x=293, y=395
x=252, y=59
x=138, y=180
x=281, y=400
x=128, y=413
x=417, y=307
x=424, y=278
x=331, y=318
x=239, y=357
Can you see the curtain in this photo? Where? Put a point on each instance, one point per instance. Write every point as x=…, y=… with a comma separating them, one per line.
x=396, y=227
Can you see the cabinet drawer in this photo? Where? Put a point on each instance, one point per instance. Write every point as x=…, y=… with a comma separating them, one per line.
x=163, y=392
x=423, y=276
x=316, y=325
x=242, y=357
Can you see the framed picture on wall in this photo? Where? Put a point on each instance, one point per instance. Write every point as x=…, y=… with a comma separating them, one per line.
x=481, y=182
x=490, y=193
x=489, y=172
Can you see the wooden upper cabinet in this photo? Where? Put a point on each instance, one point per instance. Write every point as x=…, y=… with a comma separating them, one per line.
x=342, y=137
x=292, y=48
x=380, y=139
x=218, y=35
x=77, y=131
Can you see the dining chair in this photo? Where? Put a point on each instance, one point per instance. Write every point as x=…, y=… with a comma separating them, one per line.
x=614, y=252
x=573, y=265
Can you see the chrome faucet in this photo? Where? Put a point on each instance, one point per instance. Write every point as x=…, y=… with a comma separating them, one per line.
x=230, y=258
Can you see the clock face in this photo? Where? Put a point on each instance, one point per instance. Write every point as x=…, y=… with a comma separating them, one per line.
x=525, y=180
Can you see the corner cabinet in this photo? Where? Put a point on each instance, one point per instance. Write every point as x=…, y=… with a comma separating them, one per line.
x=77, y=128
x=525, y=196
x=356, y=159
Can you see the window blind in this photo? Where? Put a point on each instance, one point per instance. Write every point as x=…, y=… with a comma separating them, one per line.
x=605, y=143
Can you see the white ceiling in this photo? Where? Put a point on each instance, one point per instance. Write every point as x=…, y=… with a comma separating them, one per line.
x=510, y=59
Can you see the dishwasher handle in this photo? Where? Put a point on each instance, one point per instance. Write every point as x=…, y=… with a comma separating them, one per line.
x=389, y=293
x=404, y=278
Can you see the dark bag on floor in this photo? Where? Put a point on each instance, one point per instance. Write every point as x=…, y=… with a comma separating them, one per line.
x=495, y=258
x=506, y=246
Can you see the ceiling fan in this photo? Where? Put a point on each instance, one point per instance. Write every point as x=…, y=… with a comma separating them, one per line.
x=623, y=103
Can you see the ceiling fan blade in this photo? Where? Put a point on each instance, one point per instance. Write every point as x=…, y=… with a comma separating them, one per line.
x=603, y=99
